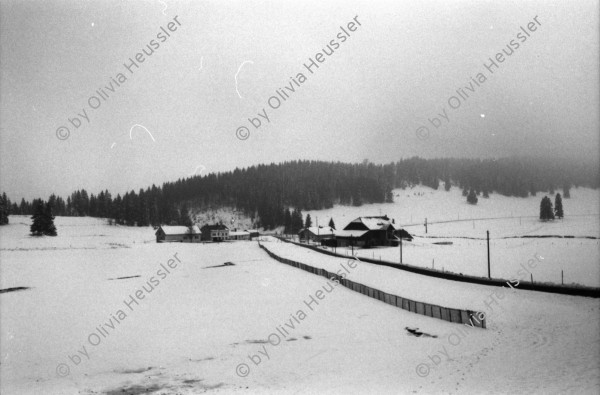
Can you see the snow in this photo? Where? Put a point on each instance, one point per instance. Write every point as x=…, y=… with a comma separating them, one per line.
x=320, y=230
x=529, y=333
x=566, y=260
x=374, y=223
x=412, y=205
x=576, y=258
x=179, y=230
x=200, y=323
x=350, y=233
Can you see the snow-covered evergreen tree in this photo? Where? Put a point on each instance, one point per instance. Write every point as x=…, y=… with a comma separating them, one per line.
x=546, y=211
x=331, y=223
x=308, y=222
x=49, y=228
x=558, y=207
x=43, y=221
x=472, y=197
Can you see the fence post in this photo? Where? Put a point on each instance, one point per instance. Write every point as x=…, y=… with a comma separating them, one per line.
x=488, y=253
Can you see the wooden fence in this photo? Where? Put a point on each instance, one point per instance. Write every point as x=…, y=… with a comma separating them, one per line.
x=458, y=316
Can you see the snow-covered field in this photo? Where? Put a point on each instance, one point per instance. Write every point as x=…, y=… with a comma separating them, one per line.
x=578, y=258
x=413, y=205
x=197, y=327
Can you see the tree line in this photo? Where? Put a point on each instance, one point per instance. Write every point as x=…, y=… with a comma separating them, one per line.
x=269, y=194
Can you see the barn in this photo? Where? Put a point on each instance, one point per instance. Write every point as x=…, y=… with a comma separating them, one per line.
x=316, y=234
x=370, y=232
x=177, y=234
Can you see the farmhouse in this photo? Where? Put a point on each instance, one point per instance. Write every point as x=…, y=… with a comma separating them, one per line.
x=316, y=233
x=217, y=232
x=370, y=232
x=177, y=234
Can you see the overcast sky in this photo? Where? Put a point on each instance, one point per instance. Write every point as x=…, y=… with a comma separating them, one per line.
x=397, y=70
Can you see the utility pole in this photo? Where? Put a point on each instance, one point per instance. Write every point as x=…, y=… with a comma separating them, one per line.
x=425, y=225
x=335, y=242
x=488, y=252
x=401, y=250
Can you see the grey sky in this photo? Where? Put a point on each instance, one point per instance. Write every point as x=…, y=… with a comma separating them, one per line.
x=365, y=101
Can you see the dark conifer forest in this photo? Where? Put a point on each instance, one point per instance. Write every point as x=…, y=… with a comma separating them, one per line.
x=265, y=192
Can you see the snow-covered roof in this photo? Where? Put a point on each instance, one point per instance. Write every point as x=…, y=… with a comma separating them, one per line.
x=320, y=230
x=179, y=230
x=350, y=233
x=215, y=227
x=239, y=233
x=375, y=223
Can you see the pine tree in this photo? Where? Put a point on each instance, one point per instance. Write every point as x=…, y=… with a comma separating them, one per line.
x=4, y=209
x=472, y=197
x=447, y=184
x=546, y=211
x=24, y=207
x=39, y=223
x=331, y=223
x=308, y=222
x=287, y=221
x=143, y=210
x=296, y=221
x=558, y=207
x=49, y=228
x=465, y=191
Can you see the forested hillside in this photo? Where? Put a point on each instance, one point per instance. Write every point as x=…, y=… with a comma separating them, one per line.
x=265, y=192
